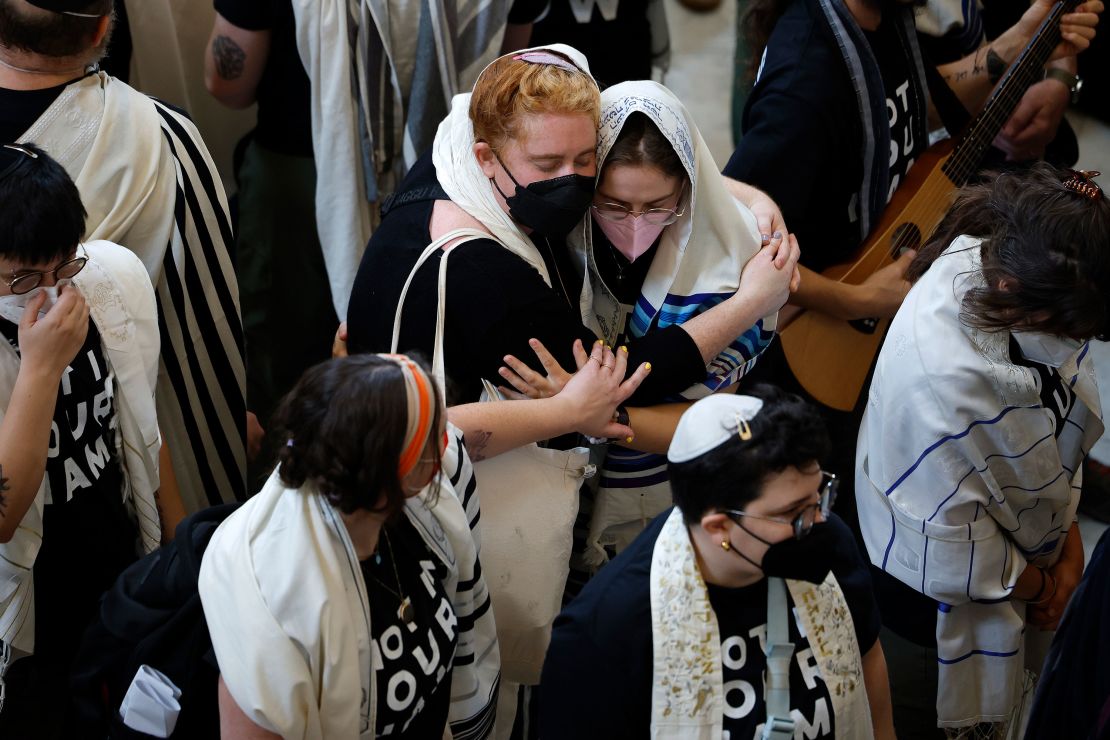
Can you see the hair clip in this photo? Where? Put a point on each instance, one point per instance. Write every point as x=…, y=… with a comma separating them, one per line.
x=546, y=58
x=9, y=162
x=22, y=150
x=1082, y=182
x=743, y=428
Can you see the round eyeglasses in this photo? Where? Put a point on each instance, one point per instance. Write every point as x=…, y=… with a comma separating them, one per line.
x=653, y=216
x=25, y=282
x=804, y=521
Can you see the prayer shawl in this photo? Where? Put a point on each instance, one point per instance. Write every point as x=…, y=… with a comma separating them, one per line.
x=687, y=695
x=369, y=127
x=697, y=266
x=148, y=183
x=963, y=478
x=466, y=185
x=122, y=306
x=871, y=101
x=287, y=609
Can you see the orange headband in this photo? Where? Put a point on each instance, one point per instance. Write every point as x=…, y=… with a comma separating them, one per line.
x=419, y=412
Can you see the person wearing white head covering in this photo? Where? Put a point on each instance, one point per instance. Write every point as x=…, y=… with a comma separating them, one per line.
x=649, y=271
x=687, y=633
x=525, y=192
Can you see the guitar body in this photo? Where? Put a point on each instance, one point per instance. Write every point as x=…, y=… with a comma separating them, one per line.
x=831, y=357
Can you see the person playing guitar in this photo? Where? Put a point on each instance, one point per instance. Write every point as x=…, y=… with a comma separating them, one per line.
x=840, y=112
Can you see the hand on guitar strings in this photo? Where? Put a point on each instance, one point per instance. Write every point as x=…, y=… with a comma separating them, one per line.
x=1077, y=29
x=885, y=289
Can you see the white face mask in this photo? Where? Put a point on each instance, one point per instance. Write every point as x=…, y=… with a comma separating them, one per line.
x=11, y=306
x=1047, y=349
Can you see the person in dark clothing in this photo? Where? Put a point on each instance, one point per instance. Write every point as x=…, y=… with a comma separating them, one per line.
x=592, y=26
x=670, y=638
x=253, y=59
x=80, y=491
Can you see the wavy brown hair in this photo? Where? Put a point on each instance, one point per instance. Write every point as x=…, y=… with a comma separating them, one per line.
x=343, y=427
x=1045, y=253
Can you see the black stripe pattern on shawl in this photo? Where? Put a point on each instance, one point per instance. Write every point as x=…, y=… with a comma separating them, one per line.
x=202, y=389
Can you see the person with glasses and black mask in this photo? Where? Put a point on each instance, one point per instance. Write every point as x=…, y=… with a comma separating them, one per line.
x=746, y=611
x=80, y=448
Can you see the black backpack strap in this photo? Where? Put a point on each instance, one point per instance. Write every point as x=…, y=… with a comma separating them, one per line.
x=413, y=195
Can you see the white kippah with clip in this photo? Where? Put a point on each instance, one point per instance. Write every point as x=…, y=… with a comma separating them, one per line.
x=711, y=422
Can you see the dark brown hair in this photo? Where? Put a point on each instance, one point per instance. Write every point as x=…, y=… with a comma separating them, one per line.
x=50, y=34
x=343, y=428
x=640, y=143
x=758, y=22
x=1045, y=252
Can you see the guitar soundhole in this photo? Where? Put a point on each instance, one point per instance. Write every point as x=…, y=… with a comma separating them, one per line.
x=906, y=236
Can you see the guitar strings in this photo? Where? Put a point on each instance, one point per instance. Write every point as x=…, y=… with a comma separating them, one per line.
x=1009, y=92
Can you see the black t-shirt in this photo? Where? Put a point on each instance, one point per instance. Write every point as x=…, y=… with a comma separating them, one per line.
x=412, y=662
x=901, y=104
x=19, y=109
x=496, y=302
x=597, y=676
x=619, y=49
x=88, y=535
x=284, y=92
x=803, y=136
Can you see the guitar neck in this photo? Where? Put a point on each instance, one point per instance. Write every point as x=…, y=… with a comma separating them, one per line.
x=1026, y=70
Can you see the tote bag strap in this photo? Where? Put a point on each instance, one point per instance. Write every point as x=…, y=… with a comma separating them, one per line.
x=437, y=353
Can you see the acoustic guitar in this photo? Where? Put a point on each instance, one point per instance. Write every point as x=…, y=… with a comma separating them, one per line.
x=831, y=357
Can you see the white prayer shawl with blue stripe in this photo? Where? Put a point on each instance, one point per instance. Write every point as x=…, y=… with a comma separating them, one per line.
x=964, y=476
x=697, y=265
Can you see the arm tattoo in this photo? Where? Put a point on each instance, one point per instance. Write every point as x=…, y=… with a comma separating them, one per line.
x=229, y=58
x=476, y=445
x=996, y=66
x=3, y=488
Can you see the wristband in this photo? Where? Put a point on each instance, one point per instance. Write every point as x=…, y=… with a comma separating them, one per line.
x=1074, y=83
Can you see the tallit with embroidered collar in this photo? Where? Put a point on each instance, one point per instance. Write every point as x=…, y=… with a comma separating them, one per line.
x=700, y=256
x=687, y=695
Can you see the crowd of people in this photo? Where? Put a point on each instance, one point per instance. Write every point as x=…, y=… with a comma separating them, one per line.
x=468, y=415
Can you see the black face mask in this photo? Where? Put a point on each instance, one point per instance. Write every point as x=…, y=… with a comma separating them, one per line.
x=808, y=559
x=549, y=207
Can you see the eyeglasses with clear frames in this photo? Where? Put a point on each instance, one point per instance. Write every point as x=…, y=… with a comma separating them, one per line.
x=25, y=282
x=804, y=521
x=653, y=216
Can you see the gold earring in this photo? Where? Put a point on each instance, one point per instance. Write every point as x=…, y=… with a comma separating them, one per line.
x=724, y=545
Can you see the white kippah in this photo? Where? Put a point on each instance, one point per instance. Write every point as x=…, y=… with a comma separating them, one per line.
x=709, y=423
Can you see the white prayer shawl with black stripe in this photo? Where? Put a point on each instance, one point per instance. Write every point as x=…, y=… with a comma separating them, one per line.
x=121, y=305
x=367, y=127
x=148, y=183
x=963, y=477
x=697, y=266
x=287, y=610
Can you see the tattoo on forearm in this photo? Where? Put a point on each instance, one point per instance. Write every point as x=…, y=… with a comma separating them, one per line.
x=229, y=57
x=996, y=66
x=476, y=444
x=978, y=64
x=4, y=487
